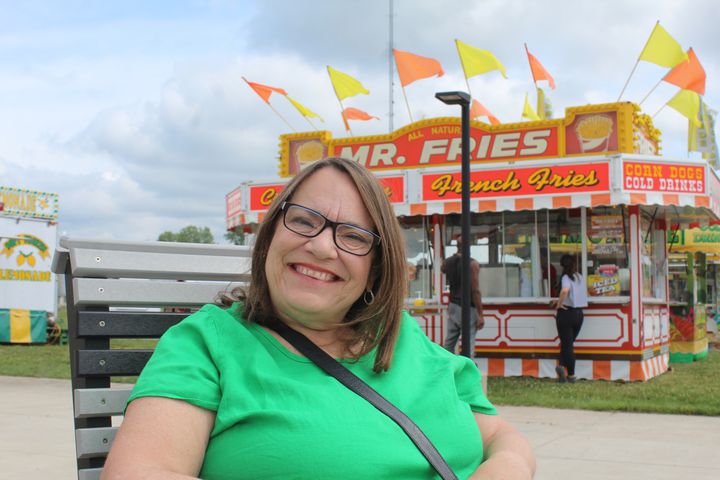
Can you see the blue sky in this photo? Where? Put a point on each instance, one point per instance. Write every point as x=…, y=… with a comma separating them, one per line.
x=135, y=113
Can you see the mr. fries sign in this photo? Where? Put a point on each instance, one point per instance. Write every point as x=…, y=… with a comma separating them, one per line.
x=589, y=130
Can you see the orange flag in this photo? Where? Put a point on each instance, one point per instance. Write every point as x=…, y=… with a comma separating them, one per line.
x=478, y=110
x=355, y=114
x=689, y=75
x=413, y=67
x=264, y=91
x=538, y=71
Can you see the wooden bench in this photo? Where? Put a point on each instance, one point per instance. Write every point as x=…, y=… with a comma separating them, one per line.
x=120, y=290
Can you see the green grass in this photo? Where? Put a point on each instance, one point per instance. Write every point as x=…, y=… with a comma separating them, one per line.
x=51, y=361
x=688, y=388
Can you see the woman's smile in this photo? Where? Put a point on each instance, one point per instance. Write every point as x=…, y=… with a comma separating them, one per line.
x=314, y=272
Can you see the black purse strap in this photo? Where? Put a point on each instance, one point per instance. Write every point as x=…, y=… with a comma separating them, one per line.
x=350, y=380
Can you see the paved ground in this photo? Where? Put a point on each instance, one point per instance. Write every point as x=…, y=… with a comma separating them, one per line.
x=36, y=439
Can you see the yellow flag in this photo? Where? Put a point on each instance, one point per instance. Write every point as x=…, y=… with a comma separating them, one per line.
x=303, y=109
x=687, y=103
x=528, y=111
x=345, y=86
x=662, y=49
x=475, y=61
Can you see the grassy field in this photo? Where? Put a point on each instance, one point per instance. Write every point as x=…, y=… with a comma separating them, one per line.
x=692, y=389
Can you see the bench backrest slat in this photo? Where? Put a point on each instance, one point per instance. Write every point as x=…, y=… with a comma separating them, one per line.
x=90, y=474
x=98, y=402
x=132, y=292
x=113, y=363
x=120, y=324
x=148, y=264
x=126, y=290
x=94, y=442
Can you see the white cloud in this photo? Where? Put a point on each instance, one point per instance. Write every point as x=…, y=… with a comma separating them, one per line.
x=142, y=123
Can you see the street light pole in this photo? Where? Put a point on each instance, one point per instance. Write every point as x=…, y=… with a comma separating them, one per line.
x=463, y=99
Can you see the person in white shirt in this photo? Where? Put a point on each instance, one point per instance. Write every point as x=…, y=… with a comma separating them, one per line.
x=569, y=319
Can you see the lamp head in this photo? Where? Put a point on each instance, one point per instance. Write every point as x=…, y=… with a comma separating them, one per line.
x=453, y=98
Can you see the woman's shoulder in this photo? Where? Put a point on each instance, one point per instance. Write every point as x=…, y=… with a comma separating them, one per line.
x=212, y=317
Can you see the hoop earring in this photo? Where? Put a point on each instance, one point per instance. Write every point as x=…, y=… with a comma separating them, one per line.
x=372, y=297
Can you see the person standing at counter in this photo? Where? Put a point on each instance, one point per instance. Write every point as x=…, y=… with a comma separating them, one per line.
x=569, y=319
x=452, y=268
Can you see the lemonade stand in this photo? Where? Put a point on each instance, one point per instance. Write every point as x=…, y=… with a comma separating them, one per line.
x=28, y=234
x=591, y=184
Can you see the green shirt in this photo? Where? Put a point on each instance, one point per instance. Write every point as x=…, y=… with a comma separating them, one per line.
x=279, y=416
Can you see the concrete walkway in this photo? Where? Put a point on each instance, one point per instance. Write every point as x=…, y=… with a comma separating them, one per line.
x=36, y=439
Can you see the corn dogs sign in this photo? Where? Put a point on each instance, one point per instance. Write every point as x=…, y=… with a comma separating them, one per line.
x=664, y=177
x=590, y=130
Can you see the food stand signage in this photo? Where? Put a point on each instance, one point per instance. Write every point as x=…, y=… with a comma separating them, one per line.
x=261, y=196
x=18, y=202
x=588, y=130
x=664, y=177
x=562, y=179
x=26, y=251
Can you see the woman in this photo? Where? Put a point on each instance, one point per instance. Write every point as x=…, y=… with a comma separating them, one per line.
x=224, y=396
x=569, y=319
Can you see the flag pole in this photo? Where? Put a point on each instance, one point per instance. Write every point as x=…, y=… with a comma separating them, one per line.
x=342, y=109
x=628, y=79
x=345, y=120
x=407, y=104
x=660, y=110
x=531, y=71
x=636, y=63
x=311, y=124
x=537, y=94
x=281, y=117
x=651, y=91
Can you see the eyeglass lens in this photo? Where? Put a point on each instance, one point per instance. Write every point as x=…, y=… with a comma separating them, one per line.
x=309, y=223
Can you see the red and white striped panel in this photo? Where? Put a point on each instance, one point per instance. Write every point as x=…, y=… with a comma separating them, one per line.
x=612, y=370
x=515, y=204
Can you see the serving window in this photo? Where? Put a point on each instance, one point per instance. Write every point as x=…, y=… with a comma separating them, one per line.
x=419, y=253
x=520, y=252
x=653, y=257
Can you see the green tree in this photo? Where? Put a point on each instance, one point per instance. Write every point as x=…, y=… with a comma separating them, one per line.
x=189, y=234
x=235, y=237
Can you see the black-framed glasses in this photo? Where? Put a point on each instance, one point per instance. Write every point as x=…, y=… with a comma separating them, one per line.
x=309, y=223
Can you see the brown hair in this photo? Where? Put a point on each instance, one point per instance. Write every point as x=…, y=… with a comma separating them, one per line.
x=377, y=324
x=569, y=267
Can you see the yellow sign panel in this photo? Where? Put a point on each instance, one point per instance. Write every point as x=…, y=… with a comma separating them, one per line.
x=589, y=130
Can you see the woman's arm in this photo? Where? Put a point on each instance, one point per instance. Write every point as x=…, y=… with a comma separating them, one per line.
x=508, y=454
x=563, y=293
x=160, y=438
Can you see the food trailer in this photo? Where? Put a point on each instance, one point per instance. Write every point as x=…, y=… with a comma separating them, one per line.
x=591, y=184
x=28, y=234
x=693, y=254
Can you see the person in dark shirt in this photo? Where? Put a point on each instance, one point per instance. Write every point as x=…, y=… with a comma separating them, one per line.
x=552, y=273
x=452, y=268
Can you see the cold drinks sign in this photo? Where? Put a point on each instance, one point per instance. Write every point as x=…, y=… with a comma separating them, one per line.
x=664, y=177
